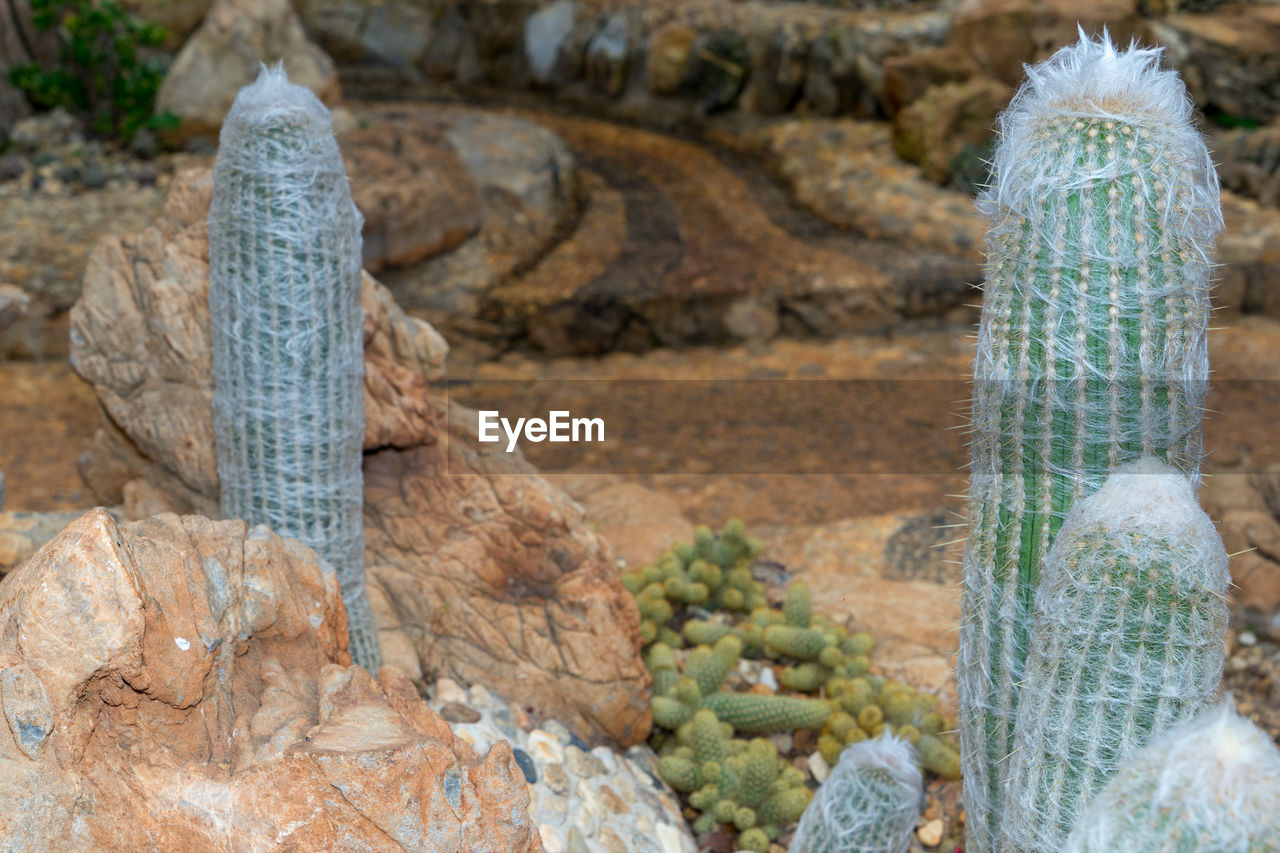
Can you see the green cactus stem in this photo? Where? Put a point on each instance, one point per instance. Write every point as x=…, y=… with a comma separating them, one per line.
x=749, y=712
x=1210, y=785
x=869, y=803
x=288, y=354
x=1091, y=347
x=1128, y=640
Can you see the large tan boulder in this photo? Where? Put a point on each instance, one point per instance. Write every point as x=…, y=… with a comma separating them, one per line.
x=224, y=54
x=483, y=569
x=184, y=684
x=416, y=194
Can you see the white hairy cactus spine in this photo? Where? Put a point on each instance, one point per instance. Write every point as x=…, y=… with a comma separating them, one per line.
x=1210, y=785
x=1128, y=640
x=869, y=803
x=288, y=355
x=1091, y=349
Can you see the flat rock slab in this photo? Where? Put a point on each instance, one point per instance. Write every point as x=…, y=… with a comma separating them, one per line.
x=892, y=576
x=184, y=684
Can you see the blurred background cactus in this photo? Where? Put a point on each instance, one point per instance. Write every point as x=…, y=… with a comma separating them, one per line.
x=1210, y=785
x=1091, y=350
x=288, y=353
x=1131, y=616
x=869, y=803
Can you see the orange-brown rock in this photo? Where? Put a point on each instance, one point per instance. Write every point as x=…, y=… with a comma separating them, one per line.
x=492, y=574
x=1002, y=35
x=416, y=195
x=183, y=684
x=1246, y=509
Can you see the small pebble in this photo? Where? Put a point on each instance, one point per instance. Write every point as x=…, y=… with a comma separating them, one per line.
x=930, y=834
x=95, y=175
x=783, y=741
x=456, y=712
x=574, y=842
x=818, y=767
x=767, y=679
x=1248, y=638
x=582, y=764
x=447, y=690
x=551, y=839
x=12, y=166
x=545, y=747
x=525, y=764
x=557, y=778
x=557, y=729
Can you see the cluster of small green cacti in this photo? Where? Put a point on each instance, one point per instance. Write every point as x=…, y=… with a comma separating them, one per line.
x=816, y=657
x=866, y=706
x=712, y=572
x=737, y=783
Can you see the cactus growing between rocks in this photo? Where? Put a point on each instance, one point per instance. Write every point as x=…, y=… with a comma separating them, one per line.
x=1091, y=347
x=1210, y=785
x=288, y=355
x=1128, y=640
x=869, y=803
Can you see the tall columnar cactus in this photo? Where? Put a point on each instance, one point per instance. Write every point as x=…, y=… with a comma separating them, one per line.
x=1091, y=348
x=1211, y=785
x=284, y=299
x=869, y=803
x=1128, y=640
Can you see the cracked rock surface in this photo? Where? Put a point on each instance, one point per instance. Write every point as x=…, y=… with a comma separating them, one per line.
x=183, y=684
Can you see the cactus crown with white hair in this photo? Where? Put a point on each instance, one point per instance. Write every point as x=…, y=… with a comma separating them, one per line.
x=1092, y=347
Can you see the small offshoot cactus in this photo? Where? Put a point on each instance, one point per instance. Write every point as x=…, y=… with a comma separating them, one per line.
x=869, y=803
x=1091, y=347
x=738, y=783
x=1210, y=785
x=1128, y=640
x=288, y=362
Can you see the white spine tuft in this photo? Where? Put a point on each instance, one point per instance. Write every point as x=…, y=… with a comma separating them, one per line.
x=1211, y=785
x=869, y=803
x=1091, y=79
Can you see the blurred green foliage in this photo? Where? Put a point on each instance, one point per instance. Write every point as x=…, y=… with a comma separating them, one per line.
x=102, y=75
